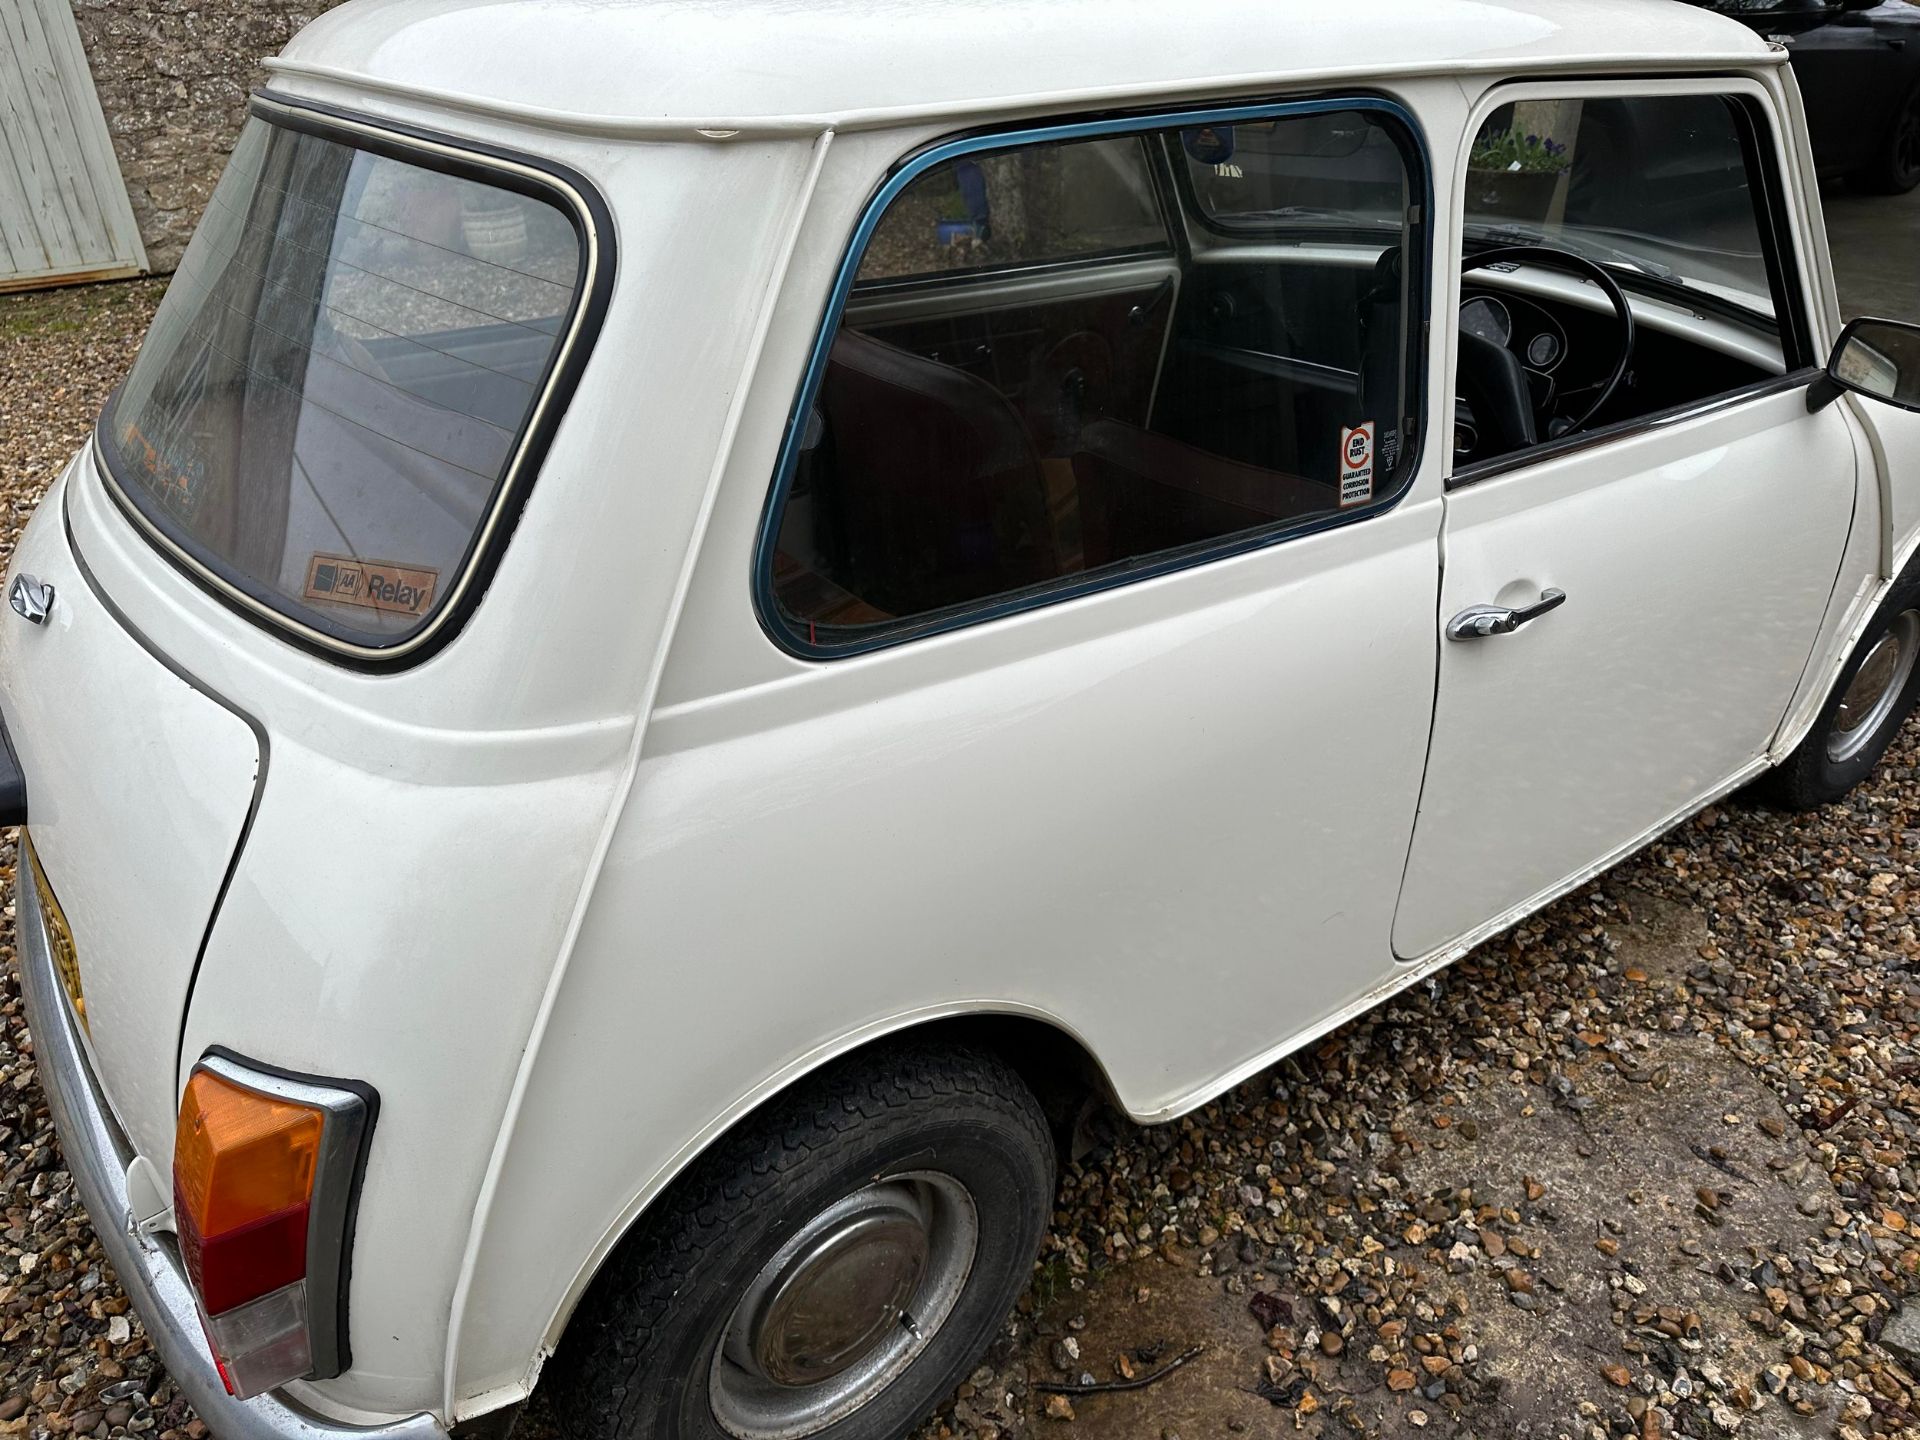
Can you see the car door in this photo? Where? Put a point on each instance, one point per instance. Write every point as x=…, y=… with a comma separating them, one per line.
x=1694, y=530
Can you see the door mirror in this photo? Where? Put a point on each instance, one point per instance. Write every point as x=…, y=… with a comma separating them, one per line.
x=1876, y=358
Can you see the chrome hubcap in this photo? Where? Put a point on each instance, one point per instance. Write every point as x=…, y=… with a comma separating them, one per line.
x=847, y=1304
x=839, y=1299
x=1875, y=689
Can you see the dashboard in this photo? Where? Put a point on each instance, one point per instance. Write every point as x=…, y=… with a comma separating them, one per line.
x=1568, y=350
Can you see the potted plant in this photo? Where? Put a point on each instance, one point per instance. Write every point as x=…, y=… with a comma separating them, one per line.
x=1515, y=176
x=965, y=215
x=952, y=223
x=494, y=230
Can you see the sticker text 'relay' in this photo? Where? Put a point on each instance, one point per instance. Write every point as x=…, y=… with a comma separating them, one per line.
x=371, y=584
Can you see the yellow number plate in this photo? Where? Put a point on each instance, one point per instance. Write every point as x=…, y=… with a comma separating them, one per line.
x=66, y=958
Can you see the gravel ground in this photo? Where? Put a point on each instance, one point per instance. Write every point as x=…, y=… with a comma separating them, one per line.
x=1642, y=1167
x=1645, y=1166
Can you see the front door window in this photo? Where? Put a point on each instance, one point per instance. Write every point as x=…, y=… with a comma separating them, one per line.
x=1617, y=266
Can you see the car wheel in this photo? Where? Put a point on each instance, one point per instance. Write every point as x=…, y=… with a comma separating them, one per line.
x=1897, y=169
x=833, y=1269
x=1870, y=701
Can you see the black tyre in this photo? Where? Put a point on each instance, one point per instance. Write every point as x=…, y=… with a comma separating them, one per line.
x=1896, y=169
x=1870, y=701
x=833, y=1269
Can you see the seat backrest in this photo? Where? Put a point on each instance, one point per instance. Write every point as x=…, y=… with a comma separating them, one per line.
x=1141, y=492
x=936, y=488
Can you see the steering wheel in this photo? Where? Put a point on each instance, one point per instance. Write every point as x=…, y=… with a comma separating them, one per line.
x=1492, y=378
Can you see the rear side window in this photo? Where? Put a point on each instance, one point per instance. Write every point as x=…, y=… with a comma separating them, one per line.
x=337, y=385
x=1054, y=370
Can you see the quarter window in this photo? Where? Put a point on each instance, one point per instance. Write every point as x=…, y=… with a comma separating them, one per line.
x=1054, y=370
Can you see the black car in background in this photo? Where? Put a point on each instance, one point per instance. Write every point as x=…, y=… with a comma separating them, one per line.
x=1858, y=64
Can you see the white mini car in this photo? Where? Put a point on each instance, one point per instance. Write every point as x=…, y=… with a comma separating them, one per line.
x=696, y=620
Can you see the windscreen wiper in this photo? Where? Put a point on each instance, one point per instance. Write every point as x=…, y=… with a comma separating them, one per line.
x=1606, y=254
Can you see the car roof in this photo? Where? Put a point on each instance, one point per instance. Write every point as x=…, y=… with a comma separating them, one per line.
x=798, y=66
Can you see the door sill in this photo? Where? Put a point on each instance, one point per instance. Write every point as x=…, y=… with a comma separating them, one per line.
x=1452, y=950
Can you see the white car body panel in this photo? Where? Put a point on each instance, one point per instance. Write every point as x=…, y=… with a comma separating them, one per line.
x=610, y=869
x=882, y=787
x=149, y=781
x=1894, y=437
x=686, y=70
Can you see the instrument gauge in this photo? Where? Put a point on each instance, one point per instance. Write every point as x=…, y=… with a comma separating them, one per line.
x=1487, y=318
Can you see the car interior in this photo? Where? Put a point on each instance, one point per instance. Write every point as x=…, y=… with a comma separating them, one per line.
x=1084, y=359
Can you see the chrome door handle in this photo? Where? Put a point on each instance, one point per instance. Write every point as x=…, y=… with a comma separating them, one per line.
x=1476, y=622
x=31, y=599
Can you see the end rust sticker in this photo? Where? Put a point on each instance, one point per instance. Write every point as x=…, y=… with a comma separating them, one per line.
x=371, y=584
x=1356, y=464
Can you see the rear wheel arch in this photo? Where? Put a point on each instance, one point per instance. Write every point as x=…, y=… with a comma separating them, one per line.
x=1057, y=1066
x=662, y=1264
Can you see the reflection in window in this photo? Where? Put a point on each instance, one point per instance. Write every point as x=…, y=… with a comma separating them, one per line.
x=1019, y=207
x=334, y=386
x=1660, y=181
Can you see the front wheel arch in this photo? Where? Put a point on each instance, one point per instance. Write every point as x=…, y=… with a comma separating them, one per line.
x=1828, y=762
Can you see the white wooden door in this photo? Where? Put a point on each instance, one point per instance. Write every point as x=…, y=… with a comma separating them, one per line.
x=63, y=207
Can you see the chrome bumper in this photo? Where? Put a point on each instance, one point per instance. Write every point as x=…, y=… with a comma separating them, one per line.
x=97, y=1156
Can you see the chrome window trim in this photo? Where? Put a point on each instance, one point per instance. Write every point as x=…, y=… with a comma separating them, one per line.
x=588, y=308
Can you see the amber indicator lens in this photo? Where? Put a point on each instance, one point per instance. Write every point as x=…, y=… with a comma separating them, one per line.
x=243, y=1175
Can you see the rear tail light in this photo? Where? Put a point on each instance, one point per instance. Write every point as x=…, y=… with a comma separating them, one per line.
x=266, y=1171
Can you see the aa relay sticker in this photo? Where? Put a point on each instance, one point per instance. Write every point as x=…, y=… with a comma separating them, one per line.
x=1356, y=464
x=371, y=584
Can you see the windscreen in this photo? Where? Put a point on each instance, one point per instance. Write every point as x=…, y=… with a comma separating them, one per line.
x=1655, y=186
x=337, y=382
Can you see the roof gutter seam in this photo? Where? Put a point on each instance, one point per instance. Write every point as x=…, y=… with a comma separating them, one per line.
x=807, y=127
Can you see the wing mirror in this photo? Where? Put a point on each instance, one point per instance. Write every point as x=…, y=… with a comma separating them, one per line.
x=1876, y=358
